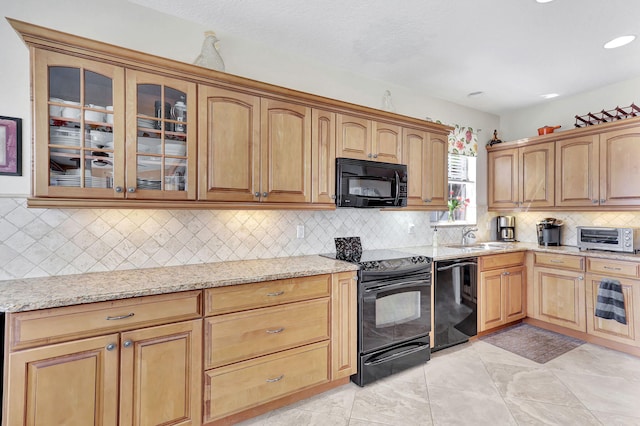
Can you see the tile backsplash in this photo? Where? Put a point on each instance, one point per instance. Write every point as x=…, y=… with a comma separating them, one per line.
x=42, y=242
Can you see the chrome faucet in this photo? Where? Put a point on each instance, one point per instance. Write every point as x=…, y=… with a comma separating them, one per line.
x=467, y=232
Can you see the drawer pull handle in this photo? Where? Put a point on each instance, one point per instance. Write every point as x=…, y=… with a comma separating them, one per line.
x=275, y=379
x=276, y=331
x=612, y=269
x=557, y=261
x=119, y=317
x=276, y=293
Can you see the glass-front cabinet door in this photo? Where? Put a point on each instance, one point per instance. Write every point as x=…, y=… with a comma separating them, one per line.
x=161, y=150
x=79, y=127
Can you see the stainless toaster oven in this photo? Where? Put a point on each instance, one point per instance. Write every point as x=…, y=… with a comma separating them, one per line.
x=605, y=238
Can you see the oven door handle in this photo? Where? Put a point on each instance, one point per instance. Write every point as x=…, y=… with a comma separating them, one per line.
x=392, y=286
x=456, y=265
x=376, y=361
x=407, y=271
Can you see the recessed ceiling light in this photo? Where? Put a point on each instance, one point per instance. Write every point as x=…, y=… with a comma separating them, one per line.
x=619, y=41
x=478, y=93
x=544, y=1
x=550, y=95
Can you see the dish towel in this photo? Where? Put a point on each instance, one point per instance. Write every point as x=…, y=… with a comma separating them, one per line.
x=610, y=304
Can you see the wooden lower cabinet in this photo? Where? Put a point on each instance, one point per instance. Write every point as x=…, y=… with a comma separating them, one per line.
x=559, y=297
x=502, y=290
x=503, y=297
x=344, y=327
x=73, y=383
x=237, y=387
x=608, y=328
x=154, y=373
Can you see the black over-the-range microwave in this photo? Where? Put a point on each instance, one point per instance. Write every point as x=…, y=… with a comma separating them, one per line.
x=361, y=183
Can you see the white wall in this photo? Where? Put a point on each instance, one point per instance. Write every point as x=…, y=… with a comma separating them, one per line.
x=524, y=123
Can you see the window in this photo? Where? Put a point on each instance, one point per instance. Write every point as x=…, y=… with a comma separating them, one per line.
x=462, y=183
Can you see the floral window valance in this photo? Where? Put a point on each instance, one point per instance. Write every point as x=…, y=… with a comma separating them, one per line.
x=463, y=141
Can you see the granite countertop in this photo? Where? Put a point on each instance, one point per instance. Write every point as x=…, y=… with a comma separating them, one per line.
x=65, y=290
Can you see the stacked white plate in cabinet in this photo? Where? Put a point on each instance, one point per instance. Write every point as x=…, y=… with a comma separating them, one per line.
x=148, y=184
x=147, y=123
x=68, y=136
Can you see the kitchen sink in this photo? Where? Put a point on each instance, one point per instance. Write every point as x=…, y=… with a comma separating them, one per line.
x=491, y=245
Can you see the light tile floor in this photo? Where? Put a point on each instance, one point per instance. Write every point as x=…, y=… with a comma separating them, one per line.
x=479, y=384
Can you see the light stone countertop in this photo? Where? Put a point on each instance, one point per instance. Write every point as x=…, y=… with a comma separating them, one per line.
x=65, y=290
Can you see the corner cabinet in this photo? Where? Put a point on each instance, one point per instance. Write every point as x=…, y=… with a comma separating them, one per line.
x=426, y=156
x=521, y=177
x=82, y=109
x=559, y=290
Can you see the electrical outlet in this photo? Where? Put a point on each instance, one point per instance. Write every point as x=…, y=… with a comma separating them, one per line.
x=300, y=231
x=412, y=228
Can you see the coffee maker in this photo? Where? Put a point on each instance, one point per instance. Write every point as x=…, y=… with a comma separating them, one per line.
x=549, y=231
x=506, y=228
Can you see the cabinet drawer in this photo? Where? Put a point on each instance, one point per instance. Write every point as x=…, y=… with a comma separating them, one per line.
x=241, y=386
x=501, y=260
x=243, y=335
x=611, y=267
x=34, y=328
x=552, y=260
x=221, y=300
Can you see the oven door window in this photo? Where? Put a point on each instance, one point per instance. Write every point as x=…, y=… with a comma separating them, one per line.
x=395, y=314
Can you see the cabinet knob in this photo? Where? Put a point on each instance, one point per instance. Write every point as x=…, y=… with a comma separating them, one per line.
x=333, y=197
x=110, y=346
x=427, y=200
x=276, y=331
x=602, y=201
x=369, y=155
x=580, y=278
x=595, y=201
x=257, y=194
x=375, y=155
x=264, y=194
x=131, y=189
x=118, y=189
x=506, y=273
x=127, y=343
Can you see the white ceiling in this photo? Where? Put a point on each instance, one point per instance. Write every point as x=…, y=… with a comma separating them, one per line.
x=511, y=50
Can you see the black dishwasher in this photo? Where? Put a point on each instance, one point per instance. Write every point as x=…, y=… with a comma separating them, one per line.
x=456, y=301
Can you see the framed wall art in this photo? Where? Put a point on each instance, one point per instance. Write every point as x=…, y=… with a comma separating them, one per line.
x=10, y=146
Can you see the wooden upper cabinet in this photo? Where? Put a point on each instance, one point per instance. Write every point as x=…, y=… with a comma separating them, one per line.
x=229, y=145
x=323, y=156
x=253, y=149
x=161, y=137
x=537, y=175
x=365, y=139
x=79, y=144
x=577, y=172
x=620, y=167
x=426, y=157
x=502, y=191
x=522, y=177
x=417, y=150
x=439, y=158
x=285, y=152
x=387, y=142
